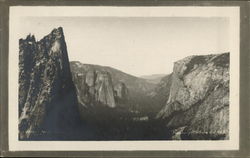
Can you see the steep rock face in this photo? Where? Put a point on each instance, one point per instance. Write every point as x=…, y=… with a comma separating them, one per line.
x=105, y=89
x=199, y=97
x=47, y=98
x=94, y=88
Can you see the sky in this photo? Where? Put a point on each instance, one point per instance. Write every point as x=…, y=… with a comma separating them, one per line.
x=135, y=45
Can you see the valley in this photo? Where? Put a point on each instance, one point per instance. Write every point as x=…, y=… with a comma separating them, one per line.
x=61, y=99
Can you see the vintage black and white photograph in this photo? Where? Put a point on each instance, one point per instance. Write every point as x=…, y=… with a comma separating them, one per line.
x=139, y=76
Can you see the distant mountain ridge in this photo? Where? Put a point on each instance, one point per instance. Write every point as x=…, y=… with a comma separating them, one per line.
x=128, y=87
x=154, y=78
x=117, y=75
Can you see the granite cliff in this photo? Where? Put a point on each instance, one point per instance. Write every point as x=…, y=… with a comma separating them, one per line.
x=94, y=88
x=198, y=102
x=47, y=98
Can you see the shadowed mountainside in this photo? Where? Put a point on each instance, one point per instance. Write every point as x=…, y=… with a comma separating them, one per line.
x=47, y=98
x=160, y=94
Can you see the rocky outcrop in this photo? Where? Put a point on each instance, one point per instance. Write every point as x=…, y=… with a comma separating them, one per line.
x=47, y=98
x=199, y=97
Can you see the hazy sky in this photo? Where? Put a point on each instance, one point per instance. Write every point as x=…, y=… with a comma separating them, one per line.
x=135, y=45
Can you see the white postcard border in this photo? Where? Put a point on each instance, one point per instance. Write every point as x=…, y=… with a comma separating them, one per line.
x=16, y=12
